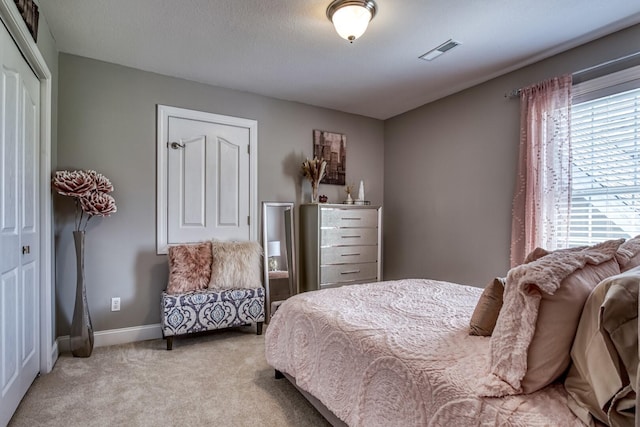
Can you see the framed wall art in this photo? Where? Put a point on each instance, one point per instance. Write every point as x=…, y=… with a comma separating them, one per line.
x=332, y=147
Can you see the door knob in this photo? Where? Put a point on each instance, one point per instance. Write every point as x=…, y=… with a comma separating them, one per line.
x=176, y=145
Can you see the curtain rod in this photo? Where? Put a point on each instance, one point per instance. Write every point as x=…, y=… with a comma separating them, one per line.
x=516, y=92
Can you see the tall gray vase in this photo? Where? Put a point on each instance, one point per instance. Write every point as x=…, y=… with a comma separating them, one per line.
x=81, y=329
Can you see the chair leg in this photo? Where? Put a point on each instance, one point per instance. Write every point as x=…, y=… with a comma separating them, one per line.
x=169, y=343
x=259, y=328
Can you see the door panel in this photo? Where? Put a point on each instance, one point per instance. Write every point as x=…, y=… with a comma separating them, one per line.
x=208, y=181
x=19, y=229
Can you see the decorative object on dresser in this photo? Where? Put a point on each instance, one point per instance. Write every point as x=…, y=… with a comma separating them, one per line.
x=332, y=147
x=280, y=275
x=341, y=245
x=348, y=189
x=89, y=191
x=360, y=200
x=314, y=171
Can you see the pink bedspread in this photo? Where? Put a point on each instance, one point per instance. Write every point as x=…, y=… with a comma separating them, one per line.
x=398, y=353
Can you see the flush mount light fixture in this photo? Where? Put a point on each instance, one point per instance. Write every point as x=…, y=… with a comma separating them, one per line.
x=351, y=17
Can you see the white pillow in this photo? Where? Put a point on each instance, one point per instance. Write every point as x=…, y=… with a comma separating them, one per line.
x=236, y=265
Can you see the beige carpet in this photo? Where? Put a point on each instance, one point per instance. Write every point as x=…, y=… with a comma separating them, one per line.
x=220, y=378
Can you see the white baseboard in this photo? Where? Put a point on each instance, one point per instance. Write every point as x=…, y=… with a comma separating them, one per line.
x=116, y=336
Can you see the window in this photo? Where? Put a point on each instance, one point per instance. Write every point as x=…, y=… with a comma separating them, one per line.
x=605, y=144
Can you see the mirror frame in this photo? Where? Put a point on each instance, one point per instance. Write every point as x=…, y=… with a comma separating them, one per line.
x=288, y=226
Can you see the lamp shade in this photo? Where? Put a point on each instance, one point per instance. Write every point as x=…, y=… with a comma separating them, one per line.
x=273, y=248
x=351, y=17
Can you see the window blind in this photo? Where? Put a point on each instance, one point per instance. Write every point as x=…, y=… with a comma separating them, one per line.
x=605, y=189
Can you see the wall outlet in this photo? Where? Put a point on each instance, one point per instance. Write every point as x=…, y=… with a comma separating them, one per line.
x=115, y=304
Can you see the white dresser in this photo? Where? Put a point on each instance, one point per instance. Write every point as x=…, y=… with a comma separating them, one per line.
x=339, y=245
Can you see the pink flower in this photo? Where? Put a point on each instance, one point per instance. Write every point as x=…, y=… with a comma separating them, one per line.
x=103, y=184
x=97, y=203
x=74, y=184
x=89, y=190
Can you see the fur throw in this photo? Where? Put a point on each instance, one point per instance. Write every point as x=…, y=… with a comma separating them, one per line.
x=628, y=255
x=236, y=265
x=517, y=320
x=189, y=267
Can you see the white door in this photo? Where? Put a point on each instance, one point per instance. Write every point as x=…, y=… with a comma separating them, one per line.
x=19, y=233
x=209, y=175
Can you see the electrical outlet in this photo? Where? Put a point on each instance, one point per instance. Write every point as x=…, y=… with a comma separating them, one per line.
x=115, y=304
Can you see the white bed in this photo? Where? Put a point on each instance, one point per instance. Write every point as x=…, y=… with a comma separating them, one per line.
x=399, y=353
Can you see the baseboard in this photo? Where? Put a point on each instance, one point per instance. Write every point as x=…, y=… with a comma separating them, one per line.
x=55, y=352
x=116, y=336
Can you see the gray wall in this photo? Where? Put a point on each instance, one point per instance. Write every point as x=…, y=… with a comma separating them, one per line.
x=450, y=169
x=107, y=122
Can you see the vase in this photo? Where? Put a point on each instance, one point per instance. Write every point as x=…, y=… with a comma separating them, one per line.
x=81, y=337
x=314, y=191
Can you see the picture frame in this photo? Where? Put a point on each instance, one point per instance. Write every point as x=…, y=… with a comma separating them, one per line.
x=332, y=147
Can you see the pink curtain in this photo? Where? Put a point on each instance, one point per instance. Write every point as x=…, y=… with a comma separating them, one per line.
x=541, y=201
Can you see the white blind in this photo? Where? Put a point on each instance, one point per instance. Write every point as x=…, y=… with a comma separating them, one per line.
x=605, y=192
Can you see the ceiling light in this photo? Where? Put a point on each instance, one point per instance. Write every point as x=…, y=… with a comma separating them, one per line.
x=444, y=47
x=351, y=17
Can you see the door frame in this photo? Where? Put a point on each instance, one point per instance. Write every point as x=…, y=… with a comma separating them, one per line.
x=164, y=112
x=11, y=18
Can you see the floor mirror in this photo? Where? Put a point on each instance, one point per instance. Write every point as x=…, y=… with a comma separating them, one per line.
x=279, y=253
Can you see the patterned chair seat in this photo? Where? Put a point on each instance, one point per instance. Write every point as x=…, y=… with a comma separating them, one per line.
x=209, y=309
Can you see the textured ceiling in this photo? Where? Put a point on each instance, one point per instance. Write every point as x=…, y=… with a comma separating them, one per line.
x=288, y=49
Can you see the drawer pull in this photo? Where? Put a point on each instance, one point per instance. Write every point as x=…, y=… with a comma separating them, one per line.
x=351, y=237
x=349, y=254
x=350, y=272
x=351, y=218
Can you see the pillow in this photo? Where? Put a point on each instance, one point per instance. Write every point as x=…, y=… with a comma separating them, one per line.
x=236, y=265
x=486, y=312
x=604, y=354
x=548, y=355
x=540, y=313
x=189, y=267
x=628, y=254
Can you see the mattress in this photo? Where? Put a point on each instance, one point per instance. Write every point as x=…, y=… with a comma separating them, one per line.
x=399, y=353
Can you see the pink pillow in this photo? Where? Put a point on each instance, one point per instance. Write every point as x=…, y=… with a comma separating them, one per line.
x=189, y=267
x=558, y=317
x=542, y=302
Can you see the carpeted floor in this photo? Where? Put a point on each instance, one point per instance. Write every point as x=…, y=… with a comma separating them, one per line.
x=221, y=378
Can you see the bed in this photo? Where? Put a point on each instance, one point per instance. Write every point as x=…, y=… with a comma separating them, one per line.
x=398, y=353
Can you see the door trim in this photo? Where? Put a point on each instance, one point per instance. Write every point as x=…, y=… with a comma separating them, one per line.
x=11, y=18
x=164, y=112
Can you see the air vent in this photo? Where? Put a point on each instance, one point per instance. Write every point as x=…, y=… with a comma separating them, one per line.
x=444, y=47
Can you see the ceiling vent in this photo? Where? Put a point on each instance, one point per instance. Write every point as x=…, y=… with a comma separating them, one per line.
x=444, y=47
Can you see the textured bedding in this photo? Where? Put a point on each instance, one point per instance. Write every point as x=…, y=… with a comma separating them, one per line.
x=399, y=353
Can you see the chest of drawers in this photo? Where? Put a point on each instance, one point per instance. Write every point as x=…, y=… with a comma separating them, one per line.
x=339, y=245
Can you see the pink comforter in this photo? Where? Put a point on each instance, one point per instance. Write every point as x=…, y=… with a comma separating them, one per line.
x=398, y=353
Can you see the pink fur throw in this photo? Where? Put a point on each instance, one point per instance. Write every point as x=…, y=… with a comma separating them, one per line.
x=628, y=254
x=236, y=265
x=189, y=267
x=556, y=286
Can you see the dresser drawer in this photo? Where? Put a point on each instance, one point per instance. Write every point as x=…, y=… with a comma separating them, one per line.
x=348, y=254
x=348, y=236
x=348, y=273
x=345, y=218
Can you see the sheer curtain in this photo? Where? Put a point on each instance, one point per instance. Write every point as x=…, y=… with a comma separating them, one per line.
x=542, y=196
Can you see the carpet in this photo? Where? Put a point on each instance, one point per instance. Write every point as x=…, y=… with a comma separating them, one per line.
x=219, y=378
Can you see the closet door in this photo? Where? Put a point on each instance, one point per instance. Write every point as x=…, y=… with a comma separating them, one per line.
x=19, y=230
